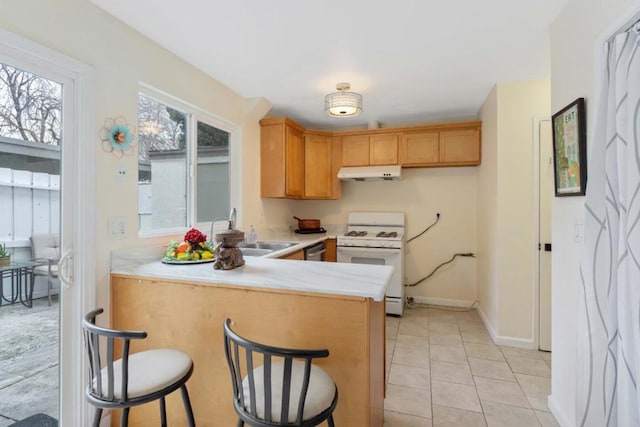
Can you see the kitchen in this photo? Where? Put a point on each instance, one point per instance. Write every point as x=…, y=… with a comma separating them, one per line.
x=464, y=197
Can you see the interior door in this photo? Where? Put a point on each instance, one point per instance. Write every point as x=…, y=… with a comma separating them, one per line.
x=546, y=197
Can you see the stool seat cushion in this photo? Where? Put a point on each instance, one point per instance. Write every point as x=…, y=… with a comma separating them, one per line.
x=320, y=394
x=149, y=371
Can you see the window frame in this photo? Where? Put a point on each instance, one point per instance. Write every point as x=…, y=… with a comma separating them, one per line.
x=195, y=114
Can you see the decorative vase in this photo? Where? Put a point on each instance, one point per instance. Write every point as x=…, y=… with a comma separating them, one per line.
x=5, y=260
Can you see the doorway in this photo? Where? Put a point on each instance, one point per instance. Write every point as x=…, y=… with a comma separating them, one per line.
x=76, y=216
x=543, y=148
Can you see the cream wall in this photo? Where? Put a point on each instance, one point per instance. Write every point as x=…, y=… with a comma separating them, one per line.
x=575, y=55
x=122, y=58
x=487, y=210
x=506, y=212
x=420, y=194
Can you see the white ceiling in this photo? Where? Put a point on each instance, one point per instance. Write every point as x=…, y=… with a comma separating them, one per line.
x=413, y=61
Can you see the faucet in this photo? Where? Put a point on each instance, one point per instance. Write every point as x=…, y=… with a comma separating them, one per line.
x=232, y=218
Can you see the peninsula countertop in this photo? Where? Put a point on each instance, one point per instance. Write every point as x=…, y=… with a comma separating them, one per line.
x=358, y=280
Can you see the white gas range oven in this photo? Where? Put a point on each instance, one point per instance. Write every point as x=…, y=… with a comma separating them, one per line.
x=377, y=238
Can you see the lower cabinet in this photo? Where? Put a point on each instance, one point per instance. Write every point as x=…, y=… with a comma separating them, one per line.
x=331, y=255
x=189, y=316
x=299, y=255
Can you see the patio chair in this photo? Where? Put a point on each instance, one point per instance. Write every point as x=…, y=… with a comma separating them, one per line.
x=45, y=248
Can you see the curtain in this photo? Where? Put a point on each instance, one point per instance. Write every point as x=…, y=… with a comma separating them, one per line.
x=608, y=369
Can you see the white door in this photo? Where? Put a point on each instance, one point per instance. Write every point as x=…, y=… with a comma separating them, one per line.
x=546, y=197
x=77, y=224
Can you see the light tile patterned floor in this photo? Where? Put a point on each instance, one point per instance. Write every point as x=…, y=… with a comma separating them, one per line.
x=443, y=370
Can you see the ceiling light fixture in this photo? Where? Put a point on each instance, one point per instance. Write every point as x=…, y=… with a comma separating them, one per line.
x=343, y=103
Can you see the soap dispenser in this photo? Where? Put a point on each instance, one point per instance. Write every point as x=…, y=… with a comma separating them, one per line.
x=252, y=236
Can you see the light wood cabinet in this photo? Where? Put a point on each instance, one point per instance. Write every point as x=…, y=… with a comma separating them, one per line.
x=331, y=255
x=355, y=150
x=460, y=147
x=299, y=255
x=419, y=149
x=370, y=149
x=383, y=149
x=303, y=164
x=296, y=164
x=189, y=316
x=321, y=167
x=455, y=145
x=281, y=159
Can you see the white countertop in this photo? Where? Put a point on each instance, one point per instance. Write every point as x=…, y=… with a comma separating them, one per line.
x=369, y=281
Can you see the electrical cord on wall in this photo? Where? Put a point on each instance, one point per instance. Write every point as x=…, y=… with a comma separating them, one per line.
x=426, y=229
x=466, y=254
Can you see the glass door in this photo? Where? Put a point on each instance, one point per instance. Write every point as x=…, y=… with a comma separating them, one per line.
x=45, y=109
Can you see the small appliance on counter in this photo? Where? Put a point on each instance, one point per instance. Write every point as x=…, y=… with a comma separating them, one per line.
x=227, y=254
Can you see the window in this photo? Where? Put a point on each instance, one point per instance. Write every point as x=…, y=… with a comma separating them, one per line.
x=183, y=166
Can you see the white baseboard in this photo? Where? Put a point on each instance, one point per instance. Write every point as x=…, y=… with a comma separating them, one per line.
x=525, y=343
x=443, y=302
x=559, y=414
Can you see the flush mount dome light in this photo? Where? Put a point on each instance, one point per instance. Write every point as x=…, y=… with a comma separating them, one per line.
x=343, y=103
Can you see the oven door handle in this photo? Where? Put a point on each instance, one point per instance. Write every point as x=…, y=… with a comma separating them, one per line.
x=353, y=249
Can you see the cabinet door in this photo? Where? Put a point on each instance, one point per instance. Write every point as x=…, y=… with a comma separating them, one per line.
x=294, y=162
x=297, y=255
x=272, y=164
x=383, y=150
x=318, y=182
x=419, y=149
x=331, y=255
x=355, y=150
x=460, y=147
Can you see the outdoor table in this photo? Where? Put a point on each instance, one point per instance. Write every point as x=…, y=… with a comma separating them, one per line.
x=22, y=281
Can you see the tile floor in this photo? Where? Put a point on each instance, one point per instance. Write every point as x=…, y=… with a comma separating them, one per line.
x=443, y=369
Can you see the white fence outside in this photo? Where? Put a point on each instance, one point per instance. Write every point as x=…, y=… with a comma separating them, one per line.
x=29, y=204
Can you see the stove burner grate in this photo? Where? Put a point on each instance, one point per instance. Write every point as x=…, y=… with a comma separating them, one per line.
x=355, y=233
x=387, y=234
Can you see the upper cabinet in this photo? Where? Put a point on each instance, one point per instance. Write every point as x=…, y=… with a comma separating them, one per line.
x=322, y=154
x=370, y=149
x=281, y=159
x=451, y=145
x=297, y=164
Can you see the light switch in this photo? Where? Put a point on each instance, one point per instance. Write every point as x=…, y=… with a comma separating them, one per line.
x=117, y=227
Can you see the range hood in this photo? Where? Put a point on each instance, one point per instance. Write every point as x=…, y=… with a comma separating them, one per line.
x=369, y=173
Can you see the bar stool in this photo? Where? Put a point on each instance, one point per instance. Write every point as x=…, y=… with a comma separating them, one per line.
x=286, y=383
x=133, y=379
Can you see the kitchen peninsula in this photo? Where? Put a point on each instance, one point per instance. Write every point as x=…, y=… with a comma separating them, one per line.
x=297, y=304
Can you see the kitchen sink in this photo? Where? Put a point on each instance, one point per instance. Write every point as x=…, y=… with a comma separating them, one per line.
x=249, y=251
x=263, y=248
x=272, y=246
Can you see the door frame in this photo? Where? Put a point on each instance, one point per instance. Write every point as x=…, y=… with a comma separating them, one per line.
x=80, y=205
x=536, y=227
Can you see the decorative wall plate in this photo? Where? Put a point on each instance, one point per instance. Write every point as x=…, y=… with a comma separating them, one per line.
x=118, y=137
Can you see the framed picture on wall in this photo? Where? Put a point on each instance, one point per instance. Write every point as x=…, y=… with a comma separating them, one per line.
x=569, y=150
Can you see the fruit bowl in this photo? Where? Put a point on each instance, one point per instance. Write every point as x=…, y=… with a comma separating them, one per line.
x=194, y=249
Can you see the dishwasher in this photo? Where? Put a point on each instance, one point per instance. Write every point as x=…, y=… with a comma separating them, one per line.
x=315, y=252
